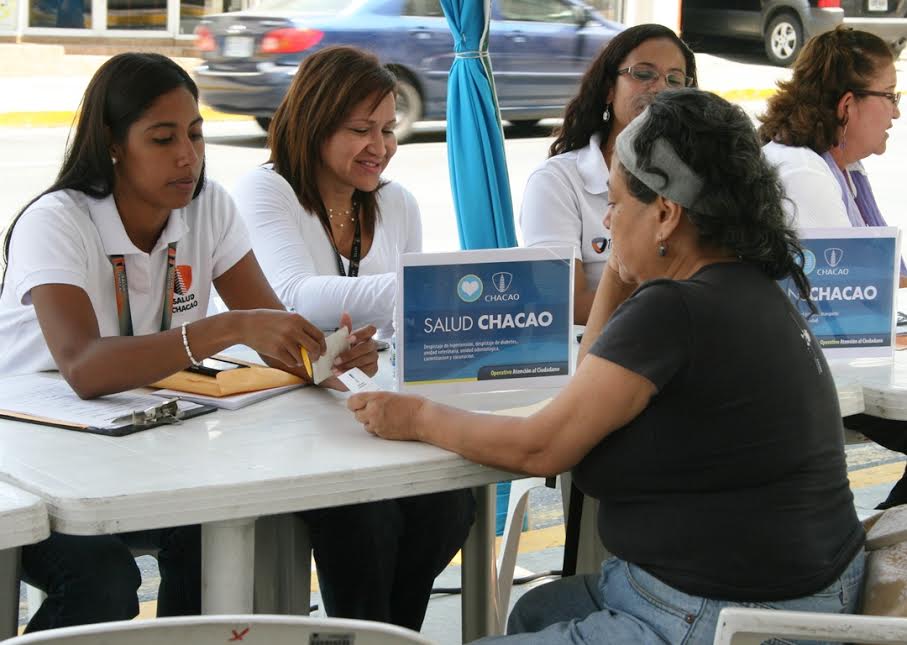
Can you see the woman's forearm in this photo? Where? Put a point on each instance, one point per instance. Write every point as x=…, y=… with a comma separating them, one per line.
x=101, y=367
x=504, y=442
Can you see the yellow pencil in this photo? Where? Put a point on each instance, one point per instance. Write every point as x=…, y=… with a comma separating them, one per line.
x=305, y=359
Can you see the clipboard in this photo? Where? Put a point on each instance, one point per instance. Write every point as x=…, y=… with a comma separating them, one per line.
x=29, y=397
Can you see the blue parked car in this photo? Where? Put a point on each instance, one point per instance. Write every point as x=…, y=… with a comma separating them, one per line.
x=539, y=51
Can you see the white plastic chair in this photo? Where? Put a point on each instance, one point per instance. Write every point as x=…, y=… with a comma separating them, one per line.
x=886, y=539
x=216, y=630
x=591, y=551
x=744, y=626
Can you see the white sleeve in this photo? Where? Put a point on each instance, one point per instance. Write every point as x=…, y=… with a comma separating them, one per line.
x=233, y=241
x=271, y=214
x=413, y=219
x=814, y=197
x=47, y=247
x=550, y=214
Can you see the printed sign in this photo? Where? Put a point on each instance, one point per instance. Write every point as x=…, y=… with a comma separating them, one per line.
x=853, y=275
x=477, y=321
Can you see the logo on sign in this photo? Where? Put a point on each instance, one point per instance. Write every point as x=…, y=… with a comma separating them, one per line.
x=469, y=288
x=833, y=256
x=809, y=261
x=501, y=281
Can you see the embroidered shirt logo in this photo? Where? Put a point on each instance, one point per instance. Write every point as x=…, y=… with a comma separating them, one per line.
x=183, y=300
x=182, y=279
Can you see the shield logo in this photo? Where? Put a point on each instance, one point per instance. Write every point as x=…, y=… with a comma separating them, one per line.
x=501, y=281
x=833, y=256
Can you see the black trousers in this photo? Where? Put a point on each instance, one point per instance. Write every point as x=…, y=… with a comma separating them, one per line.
x=378, y=561
x=892, y=435
x=94, y=578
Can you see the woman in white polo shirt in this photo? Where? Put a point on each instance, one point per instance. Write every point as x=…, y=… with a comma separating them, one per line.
x=108, y=277
x=566, y=196
x=328, y=230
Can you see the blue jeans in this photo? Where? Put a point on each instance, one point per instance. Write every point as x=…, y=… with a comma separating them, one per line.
x=94, y=578
x=626, y=605
x=378, y=561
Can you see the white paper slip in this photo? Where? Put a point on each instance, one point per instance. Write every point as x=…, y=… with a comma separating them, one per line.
x=358, y=381
x=337, y=343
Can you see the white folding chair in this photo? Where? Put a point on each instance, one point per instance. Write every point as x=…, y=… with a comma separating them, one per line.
x=215, y=630
x=744, y=626
x=884, y=582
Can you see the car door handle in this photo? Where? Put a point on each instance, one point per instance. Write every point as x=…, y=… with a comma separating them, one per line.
x=518, y=38
x=421, y=34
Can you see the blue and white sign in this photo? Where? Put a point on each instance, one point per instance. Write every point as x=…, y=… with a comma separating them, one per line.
x=479, y=321
x=853, y=275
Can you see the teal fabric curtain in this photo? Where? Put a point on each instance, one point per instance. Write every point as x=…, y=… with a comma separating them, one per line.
x=475, y=139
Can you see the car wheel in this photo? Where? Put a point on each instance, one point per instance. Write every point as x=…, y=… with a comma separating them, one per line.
x=264, y=122
x=409, y=108
x=783, y=39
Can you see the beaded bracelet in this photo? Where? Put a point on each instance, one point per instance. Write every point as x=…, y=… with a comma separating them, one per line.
x=186, y=345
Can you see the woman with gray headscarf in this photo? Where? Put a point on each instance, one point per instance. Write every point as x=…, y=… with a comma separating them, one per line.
x=702, y=414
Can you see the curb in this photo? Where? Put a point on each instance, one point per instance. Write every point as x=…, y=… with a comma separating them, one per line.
x=66, y=118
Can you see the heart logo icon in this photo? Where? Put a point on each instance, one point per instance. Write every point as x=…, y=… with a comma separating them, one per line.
x=469, y=288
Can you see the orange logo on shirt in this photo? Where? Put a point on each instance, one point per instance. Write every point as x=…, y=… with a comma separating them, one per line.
x=182, y=279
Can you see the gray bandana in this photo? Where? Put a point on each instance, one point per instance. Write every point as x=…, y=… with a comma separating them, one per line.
x=682, y=184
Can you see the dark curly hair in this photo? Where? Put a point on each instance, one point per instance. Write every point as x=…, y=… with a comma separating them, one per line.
x=804, y=112
x=740, y=206
x=583, y=115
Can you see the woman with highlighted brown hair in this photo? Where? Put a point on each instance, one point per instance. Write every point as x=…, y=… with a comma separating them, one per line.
x=328, y=231
x=834, y=111
x=566, y=195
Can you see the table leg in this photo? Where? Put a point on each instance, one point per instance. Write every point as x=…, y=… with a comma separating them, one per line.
x=479, y=578
x=228, y=566
x=9, y=592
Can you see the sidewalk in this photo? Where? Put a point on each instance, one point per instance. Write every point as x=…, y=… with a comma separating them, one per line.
x=40, y=86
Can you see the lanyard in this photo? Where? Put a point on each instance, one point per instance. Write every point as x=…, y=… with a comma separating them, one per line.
x=354, y=252
x=121, y=286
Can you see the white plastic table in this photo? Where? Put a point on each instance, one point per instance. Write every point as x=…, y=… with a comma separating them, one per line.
x=298, y=451
x=883, y=383
x=23, y=520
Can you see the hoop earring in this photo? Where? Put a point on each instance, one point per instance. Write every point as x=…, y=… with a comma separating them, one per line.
x=842, y=143
x=606, y=115
x=662, y=249
x=113, y=160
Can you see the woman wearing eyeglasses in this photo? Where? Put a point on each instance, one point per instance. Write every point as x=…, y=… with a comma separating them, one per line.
x=835, y=111
x=566, y=196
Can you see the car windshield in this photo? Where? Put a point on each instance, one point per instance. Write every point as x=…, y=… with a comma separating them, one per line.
x=318, y=7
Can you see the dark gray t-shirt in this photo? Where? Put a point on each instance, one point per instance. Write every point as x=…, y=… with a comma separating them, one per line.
x=732, y=483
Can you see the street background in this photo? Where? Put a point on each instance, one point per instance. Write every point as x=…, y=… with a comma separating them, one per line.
x=40, y=89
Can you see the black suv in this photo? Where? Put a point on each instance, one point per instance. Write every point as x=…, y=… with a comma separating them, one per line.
x=784, y=25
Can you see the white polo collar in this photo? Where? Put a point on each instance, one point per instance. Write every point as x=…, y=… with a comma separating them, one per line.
x=590, y=162
x=113, y=234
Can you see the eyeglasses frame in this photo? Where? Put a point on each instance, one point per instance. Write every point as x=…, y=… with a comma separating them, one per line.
x=688, y=80
x=894, y=97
